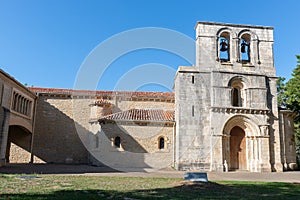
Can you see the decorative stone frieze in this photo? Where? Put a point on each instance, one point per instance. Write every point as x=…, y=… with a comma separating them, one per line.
x=240, y=110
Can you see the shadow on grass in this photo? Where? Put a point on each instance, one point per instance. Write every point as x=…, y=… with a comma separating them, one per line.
x=186, y=190
x=28, y=168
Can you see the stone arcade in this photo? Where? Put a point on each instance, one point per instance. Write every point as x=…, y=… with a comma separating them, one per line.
x=222, y=116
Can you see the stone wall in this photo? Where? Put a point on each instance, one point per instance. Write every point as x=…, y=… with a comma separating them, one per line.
x=64, y=134
x=192, y=103
x=288, y=154
x=139, y=145
x=57, y=134
x=18, y=154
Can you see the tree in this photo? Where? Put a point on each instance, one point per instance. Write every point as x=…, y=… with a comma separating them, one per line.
x=281, y=98
x=291, y=99
x=292, y=90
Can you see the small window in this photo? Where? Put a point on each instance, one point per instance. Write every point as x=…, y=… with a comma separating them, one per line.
x=161, y=144
x=235, y=97
x=193, y=111
x=237, y=92
x=193, y=79
x=117, y=142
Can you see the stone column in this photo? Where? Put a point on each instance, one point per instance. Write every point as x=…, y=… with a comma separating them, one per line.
x=256, y=154
x=275, y=142
x=254, y=52
x=235, y=55
x=251, y=156
x=226, y=151
x=4, y=126
x=264, y=159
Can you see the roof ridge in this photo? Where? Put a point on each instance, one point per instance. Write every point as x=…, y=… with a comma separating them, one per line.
x=49, y=90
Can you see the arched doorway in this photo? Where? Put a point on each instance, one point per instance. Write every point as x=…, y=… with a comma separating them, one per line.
x=238, y=159
x=237, y=143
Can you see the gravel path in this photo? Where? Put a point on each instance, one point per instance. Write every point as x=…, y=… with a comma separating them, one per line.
x=56, y=169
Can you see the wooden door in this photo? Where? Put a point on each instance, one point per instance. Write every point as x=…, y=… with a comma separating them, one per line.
x=238, y=149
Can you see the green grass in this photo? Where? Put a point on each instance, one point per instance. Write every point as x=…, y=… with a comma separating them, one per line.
x=129, y=188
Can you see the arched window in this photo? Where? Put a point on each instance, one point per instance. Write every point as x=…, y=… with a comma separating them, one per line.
x=161, y=143
x=245, y=48
x=224, y=47
x=236, y=97
x=237, y=92
x=117, y=142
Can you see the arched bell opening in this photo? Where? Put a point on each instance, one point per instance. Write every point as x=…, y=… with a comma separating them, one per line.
x=245, y=48
x=224, y=47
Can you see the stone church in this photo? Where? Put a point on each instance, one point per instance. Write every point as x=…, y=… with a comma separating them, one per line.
x=222, y=116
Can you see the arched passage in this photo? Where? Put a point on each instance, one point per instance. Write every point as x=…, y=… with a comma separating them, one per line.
x=18, y=148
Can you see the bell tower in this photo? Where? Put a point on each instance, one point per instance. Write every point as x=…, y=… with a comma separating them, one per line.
x=226, y=106
x=234, y=47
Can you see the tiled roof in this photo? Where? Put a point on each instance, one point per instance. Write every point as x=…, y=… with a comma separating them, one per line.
x=141, y=115
x=135, y=94
x=101, y=102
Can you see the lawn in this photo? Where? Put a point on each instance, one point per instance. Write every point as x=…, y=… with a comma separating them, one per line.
x=130, y=188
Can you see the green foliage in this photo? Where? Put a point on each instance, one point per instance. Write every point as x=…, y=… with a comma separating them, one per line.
x=281, y=98
x=292, y=91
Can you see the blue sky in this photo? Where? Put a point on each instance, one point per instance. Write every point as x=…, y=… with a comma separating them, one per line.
x=45, y=42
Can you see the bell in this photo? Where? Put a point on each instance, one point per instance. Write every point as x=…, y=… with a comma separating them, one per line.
x=224, y=46
x=243, y=47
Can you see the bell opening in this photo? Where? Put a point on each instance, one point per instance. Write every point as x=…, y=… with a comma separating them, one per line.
x=224, y=49
x=245, y=51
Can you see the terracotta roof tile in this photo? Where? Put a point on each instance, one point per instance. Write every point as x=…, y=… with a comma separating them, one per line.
x=141, y=115
x=137, y=94
x=101, y=102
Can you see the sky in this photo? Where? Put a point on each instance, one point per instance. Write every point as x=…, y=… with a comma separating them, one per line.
x=47, y=43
